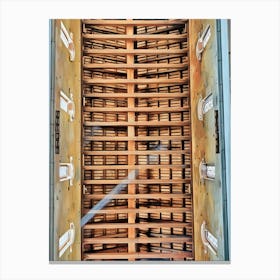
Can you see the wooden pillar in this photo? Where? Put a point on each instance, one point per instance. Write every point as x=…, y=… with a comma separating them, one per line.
x=131, y=143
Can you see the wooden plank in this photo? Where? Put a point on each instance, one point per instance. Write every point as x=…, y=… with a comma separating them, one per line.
x=138, y=123
x=158, y=44
x=143, y=210
x=135, y=52
x=138, y=196
x=136, y=95
x=135, y=109
x=145, y=22
x=147, y=152
x=125, y=256
x=137, y=225
x=136, y=138
x=131, y=144
x=134, y=66
x=144, y=240
x=137, y=181
x=135, y=81
x=134, y=167
x=150, y=73
x=133, y=37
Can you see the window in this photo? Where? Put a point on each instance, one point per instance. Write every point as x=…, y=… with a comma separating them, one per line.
x=67, y=40
x=66, y=240
x=66, y=171
x=206, y=171
x=209, y=240
x=67, y=104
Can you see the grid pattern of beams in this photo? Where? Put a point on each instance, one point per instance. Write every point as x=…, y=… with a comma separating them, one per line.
x=136, y=139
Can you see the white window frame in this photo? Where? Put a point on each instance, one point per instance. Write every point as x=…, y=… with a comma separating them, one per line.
x=66, y=240
x=208, y=239
x=205, y=105
x=207, y=171
x=67, y=105
x=67, y=40
x=203, y=38
x=68, y=170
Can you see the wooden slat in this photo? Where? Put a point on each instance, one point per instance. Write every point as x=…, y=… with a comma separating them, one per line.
x=137, y=225
x=112, y=256
x=135, y=51
x=145, y=22
x=136, y=95
x=134, y=66
x=131, y=144
x=137, y=181
x=135, y=81
x=134, y=167
x=144, y=240
x=138, y=123
x=135, y=138
x=148, y=152
x=135, y=109
x=122, y=72
x=139, y=210
x=137, y=196
x=153, y=59
x=144, y=37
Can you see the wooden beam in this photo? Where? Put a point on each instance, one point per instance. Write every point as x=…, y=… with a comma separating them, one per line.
x=135, y=51
x=153, y=59
x=150, y=73
x=135, y=109
x=136, y=95
x=125, y=256
x=133, y=37
x=134, y=66
x=136, y=138
x=105, y=240
x=139, y=210
x=138, y=123
x=147, y=152
x=131, y=143
x=138, y=196
x=137, y=181
x=145, y=22
x=135, y=81
x=135, y=167
x=137, y=225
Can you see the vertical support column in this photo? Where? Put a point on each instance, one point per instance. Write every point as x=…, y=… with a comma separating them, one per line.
x=131, y=143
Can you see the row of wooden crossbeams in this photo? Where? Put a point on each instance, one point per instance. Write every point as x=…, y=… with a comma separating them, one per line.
x=136, y=62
